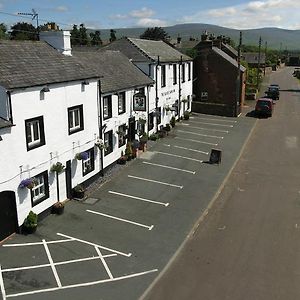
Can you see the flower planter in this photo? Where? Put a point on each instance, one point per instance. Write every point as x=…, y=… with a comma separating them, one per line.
x=58, y=208
x=78, y=194
x=29, y=230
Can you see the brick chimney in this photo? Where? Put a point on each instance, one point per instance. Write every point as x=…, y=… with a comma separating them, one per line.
x=60, y=40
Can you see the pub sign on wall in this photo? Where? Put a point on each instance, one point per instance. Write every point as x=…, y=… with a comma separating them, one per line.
x=139, y=102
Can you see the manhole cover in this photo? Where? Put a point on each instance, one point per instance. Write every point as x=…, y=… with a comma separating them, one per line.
x=91, y=200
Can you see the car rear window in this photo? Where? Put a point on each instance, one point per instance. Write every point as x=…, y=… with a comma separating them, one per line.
x=263, y=102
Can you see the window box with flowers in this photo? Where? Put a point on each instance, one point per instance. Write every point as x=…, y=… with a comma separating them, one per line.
x=28, y=183
x=81, y=155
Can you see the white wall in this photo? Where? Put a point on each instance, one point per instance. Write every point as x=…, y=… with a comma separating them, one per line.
x=60, y=146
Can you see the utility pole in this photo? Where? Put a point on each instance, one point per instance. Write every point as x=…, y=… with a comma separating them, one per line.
x=266, y=47
x=238, y=79
x=258, y=63
x=34, y=15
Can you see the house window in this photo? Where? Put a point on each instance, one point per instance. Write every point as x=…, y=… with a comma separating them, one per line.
x=88, y=164
x=35, y=136
x=158, y=115
x=121, y=103
x=75, y=118
x=108, y=142
x=163, y=76
x=107, y=107
x=183, y=72
x=122, y=135
x=150, y=121
x=174, y=74
x=40, y=191
x=189, y=71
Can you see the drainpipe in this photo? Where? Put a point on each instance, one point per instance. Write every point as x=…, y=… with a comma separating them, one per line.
x=156, y=90
x=100, y=123
x=57, y=185
x=179, y=91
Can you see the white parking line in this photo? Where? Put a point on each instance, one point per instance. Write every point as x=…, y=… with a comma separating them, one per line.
x=155, y=181
x=2, y=285
x=184, y=148
x=93, y=244
x=200, y=134
x=179, y=156
x=104, y=263
x=195, y=141
x=52, y=264
x=213, y=124
x=210, y=129
x=38, y=243
x=139, y=198
x=222, y=120
x=168, y=167
x=120, y=219
x=81, y=284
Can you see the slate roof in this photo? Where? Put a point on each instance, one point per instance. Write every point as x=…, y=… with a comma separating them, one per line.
x=228, y=58
x=5, y=123
x=31, y=63
x=141, y=50
x=252, y=58
x=117, y=72
x=229, y=48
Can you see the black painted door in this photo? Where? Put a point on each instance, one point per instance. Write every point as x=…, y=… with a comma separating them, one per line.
x=131, y=129
x=8, y=214
x=68, y=173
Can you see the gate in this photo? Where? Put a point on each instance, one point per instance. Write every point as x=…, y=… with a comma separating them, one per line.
x=8, y=214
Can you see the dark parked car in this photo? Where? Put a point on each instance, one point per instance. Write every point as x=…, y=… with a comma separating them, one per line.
x=264, y=107
x=273, y=92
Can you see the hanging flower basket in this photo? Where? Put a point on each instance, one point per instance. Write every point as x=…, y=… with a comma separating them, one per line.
x=82, y=156
x=167, y=108
x=58, y=167
x=142, y=121
x=28, y=183
x=100, y=144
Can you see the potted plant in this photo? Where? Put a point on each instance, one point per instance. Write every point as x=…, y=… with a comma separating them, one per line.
x=30, y=223
x=28, y=183
x=58, y=208
x=78, y=191
x=81, y=155
x=128, y=151
x=186, y=115
x=122, y=160
x=58, y=167
x=143, y=141
x=153, y=137
x=168, y=127
x=173, y=121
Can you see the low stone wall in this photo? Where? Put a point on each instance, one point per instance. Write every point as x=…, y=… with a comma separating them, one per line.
x=213, y=109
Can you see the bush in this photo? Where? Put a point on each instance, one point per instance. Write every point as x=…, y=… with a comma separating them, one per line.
x=186, y=115
x=168, y=127
x=173, y=121
x=153, y=137
x=31, y=221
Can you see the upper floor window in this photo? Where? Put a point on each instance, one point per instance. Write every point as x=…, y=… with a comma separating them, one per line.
x=108, y=142
x=40, y=191
x=121, y=103
x=189, y=71
x=35, y=136
x=183, y=72
x=75, y=118
x=174, y=74
x=88, y=164
x=163, y=76
x=107, y=107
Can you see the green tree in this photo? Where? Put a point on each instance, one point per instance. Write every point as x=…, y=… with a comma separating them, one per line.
x=3, y=30
x=156, y=33
x=112, y=35
x=83, y=36
x=95, y=38
x=23, y=31
x=75, y=36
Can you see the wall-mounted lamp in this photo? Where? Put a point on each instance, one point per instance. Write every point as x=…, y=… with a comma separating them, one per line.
x=45, y=89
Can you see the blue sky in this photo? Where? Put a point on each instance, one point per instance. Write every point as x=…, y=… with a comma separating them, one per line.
x=101, y=14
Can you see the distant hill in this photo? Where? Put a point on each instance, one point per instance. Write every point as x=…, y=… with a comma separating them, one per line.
x=275, y=37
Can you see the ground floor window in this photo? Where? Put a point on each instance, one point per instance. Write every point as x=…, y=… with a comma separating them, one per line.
x=158, y=115
x=40, y=191
x=88, y=164
x=108, y=142
x=122, y=135
x=150, y=121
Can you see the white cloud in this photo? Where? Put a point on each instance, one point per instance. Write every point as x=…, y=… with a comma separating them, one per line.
x=61, y=9
x=148, y=22
x=142, y=13
x=254, y=14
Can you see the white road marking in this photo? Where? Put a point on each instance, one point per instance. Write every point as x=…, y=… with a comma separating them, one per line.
x=217, y=119
x=57, y=263
x=2, y=285
x=200, y=134
x=82, y=284
x=120, y=219
x=139, y=198
x=38, y=243
x=155, y=181
x=104, y=263
x=168, y=167
x=179, y=156
x=93, y=244
x=210, y=129
x=196, y=141
x=189, y=149
x=52, y=264
x=213, y=124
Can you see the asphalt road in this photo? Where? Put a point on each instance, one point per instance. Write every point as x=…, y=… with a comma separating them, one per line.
x=248, y=246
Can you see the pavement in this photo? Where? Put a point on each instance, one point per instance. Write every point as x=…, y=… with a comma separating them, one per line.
x=116, y=243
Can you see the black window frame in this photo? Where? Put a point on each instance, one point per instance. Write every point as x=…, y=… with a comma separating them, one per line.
x=189, y=71
x=109, y=97
x=150, y=121
x=174, y=74
x=110, y=147
x=42, y=140
x=120, y=112
x=122, y=135
x=91, y=153
x=81, y=120
x=163, y=74
x=46, y=186
x=158, y=115
x=183, y=73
